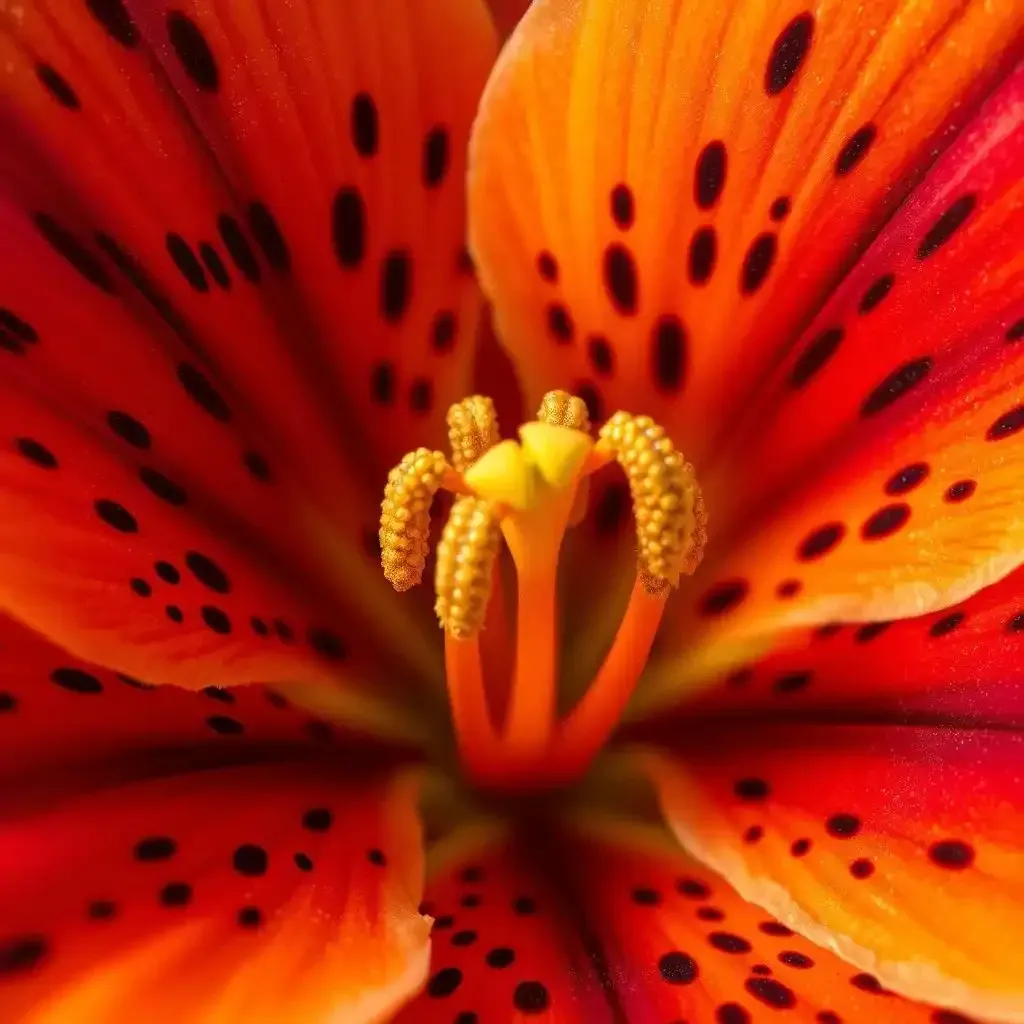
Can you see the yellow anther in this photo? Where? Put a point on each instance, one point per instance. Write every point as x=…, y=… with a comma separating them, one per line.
x=472, y=430
x=504, y=475
x=560, y=409
x=465, y=564
x=667, y=504
x=405, y=516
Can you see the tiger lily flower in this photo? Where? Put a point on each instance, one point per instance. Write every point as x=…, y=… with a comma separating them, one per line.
x=722, y=722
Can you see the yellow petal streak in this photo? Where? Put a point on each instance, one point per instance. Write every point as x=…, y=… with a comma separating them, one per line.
x=527, y=493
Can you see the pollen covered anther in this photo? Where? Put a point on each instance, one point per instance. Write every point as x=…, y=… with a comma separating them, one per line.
x=560, y=409
x=671, y=520
x=472, y=430
x=405, y=516
x=465, y=565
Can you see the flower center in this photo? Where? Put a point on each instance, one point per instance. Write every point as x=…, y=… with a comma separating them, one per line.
x=526, y=494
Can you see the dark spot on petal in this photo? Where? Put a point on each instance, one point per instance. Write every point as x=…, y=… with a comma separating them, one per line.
x=692, y=888
x=141, y=587
x=623, y=207
x=500, y=957
x=250, y=917
x=862, y=868
x=1007, y=424
x=395, y=285
x=187, y=262
x=885, y=522
x=155, y=848
x=855, y=149
x=843, y=826
x=524, y=906
x=176, y=894
x=820, y=541
x=869, y=631
x=775, y=928
x=709, y=177
x=8, y=703
x=702, y=256
x=466, y=937
x=678, y=968
x=57, y=86
x=225, y=725
x=114, y=17
x=435, y=157
x=800, y=847
x=383, y=384
x=250, y=860
x=219, y=694
x=36, y=453
x=442, y=333
x=620, y=279
x=868, y=983
x=193, y=51
x=215, y=619
x=779, y=210
x=167, y=572
x=19, y=328
x=215, y=265
x=238, y=247
x=203, y=393
x=960, y=491
x=817, y=353
x=771, y=992
x=758, y=262
x=788, y=53
x=731, y=1013
x=710, y=914
x=793, y=959
x=897, y=384
x=208, y=572
x=754, y=834
x=729, y=943
x=174, y=613
x=601, y=356
x=326, y=643
x=284, y=631
x=101, y=910
x=129, y=429
x=791, y=682
x=116, y=516
x=66, y=245
x=668, y=353
x=946, y=625
x=907, y=478
x=946, y=226
x=953, y=854
x=444, y=983
x=876, y=292
x=547, y=266
x=22, y=953
x=560, y=323
x=1014, y=333
x=723, y=597
x=268, y=236
x=751, y=789
x=319, y=819
x=364, y=124
x=257, y=466
x=348, y=227
x=303, y=862
x=788, y=589
x=421, y=395
x=164, y=488
x=644, y=896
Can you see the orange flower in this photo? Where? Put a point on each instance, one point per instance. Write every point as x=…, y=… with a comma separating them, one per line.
x=723, y=721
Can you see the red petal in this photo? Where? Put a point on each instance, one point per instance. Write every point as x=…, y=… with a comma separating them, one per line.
x=166, y=853
x=896, y=844
x=200, y=335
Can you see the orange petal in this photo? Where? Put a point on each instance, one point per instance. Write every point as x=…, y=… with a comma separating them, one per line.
x=962, y=660
x=167, y=854
x=895, y=842
x=660, y=196
x=877, y=473
x=271, y=292
x=681, y=944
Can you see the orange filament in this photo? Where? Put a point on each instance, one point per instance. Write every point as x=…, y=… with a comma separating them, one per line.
x=528, y=493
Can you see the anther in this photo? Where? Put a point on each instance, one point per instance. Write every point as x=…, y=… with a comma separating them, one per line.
x=465, y=565
x=671, y=521
x=472, y=430
x=560, y=409
x=405, y=516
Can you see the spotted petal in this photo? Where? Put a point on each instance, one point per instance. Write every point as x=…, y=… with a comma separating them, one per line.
x=166, y=854
x=893, y=840
x=226, y=316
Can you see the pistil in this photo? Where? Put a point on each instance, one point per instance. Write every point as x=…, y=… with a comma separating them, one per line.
x=528, y=493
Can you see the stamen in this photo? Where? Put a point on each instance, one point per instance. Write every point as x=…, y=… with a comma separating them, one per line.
x=529, y=492
x=472, y=430
x=405, y=516
x=560, y=409
x=667, y=503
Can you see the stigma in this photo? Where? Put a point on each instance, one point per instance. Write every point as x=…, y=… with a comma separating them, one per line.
x=524, y=495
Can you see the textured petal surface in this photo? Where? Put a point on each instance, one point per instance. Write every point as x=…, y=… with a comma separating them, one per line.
x=166, y=854
x=896, y=844
x=965, y=661
x=882, y=460
x=232, y=310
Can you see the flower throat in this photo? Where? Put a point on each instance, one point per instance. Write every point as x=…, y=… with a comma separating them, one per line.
x=525, y=494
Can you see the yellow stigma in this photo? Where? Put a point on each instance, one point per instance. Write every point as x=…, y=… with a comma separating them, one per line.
x=561, y=409
x=405, y=516
x=525, y=494
x=472, y=430
x=465, y=566
x=668, y=506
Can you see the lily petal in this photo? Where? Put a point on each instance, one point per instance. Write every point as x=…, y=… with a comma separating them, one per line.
x=894, y=842
x=240, y=307
x=878, y=471
x=212, y=838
